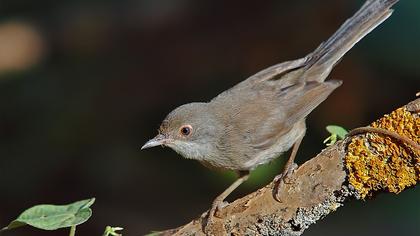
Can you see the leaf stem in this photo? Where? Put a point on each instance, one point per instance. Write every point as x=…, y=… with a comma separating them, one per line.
x=72, y=230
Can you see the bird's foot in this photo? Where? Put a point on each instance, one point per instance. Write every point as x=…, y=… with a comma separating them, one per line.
x=215, y=208
x=281, y=179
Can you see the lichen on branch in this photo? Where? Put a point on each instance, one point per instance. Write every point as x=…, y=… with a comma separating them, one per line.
x=379, y=162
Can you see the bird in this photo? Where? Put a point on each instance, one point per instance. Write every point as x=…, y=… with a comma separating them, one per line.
x=262, y=117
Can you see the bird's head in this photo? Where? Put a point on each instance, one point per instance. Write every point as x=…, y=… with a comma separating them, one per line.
x=190, y=130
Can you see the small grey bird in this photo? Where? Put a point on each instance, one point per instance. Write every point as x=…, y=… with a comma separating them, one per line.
x=264, y=116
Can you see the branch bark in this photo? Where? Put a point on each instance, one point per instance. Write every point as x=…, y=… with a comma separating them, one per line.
x=354, y=168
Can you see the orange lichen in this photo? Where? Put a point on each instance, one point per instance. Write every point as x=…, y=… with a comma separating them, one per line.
x=378, y=162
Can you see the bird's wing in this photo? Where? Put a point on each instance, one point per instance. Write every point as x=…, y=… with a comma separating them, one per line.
x=257, y=115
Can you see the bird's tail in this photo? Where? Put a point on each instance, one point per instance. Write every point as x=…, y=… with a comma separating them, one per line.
x=323, y=59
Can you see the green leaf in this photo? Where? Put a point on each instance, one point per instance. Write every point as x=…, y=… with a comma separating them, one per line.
x=112, y=231
x=52, y=217
x=337, y=130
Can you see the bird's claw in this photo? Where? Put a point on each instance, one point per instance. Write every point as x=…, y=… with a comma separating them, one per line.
x=283, y=178
x=215, y=208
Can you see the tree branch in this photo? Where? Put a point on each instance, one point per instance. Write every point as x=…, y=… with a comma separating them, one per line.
x=355, y=168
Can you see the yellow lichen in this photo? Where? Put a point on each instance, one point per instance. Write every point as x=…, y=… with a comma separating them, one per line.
x=378, y=162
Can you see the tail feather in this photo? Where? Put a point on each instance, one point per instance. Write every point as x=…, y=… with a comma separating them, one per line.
x=323, y=59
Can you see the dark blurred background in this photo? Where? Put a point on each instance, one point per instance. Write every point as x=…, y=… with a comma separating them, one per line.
x=84, y=83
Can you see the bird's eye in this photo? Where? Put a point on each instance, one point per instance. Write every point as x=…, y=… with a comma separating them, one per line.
x=185, y=130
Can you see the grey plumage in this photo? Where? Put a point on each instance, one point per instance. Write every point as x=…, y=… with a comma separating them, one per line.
x=263, y=116
x=250, y=119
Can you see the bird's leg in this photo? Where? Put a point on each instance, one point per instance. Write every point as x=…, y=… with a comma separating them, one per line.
x=290, y=166
x=218, y=202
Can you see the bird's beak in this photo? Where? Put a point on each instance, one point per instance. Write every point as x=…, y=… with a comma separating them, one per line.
x=160, y=139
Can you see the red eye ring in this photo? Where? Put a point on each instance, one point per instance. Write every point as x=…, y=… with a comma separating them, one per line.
x=185, y=130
